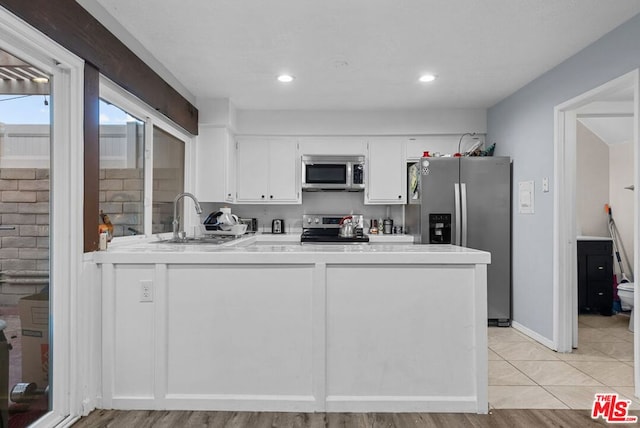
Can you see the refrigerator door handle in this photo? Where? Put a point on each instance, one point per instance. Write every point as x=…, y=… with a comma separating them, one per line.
x=456, y=194
x=463, y=198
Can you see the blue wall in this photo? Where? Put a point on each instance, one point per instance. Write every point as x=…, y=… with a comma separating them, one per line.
x=522, y=125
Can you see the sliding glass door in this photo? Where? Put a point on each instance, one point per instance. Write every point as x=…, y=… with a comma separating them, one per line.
x=25, y=284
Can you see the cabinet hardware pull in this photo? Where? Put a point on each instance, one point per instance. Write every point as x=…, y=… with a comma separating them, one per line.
x=600, y=267
x=270, y=196
x=262, y=196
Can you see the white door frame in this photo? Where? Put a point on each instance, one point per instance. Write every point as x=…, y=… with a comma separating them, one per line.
x=565, y=307
x=66, y=215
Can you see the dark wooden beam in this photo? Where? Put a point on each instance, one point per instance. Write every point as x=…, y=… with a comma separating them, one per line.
x=91, y=157
x=69, y=24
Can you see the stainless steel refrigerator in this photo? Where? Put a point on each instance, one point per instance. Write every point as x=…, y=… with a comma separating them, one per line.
x=466, y=201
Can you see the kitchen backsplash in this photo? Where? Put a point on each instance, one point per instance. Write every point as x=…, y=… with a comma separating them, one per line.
x=312, y=203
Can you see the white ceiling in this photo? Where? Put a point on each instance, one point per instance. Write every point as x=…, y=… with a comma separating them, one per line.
x=611, y=130
x=357, y=54
x=611, y=116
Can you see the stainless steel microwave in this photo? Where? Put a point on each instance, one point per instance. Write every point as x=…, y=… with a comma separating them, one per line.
x=329, y=172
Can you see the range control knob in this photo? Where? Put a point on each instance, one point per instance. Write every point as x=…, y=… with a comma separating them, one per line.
x=308, y=220
x=316, y=220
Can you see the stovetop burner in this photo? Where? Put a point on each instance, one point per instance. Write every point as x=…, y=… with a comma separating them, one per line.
x=325, y=229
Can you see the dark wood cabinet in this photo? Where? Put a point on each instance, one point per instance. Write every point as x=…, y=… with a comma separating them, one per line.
x=595, y=276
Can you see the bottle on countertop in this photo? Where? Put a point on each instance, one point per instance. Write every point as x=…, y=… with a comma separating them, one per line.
x=373, y=226
x=103, y=241
x=387, y=226
x=105, y=226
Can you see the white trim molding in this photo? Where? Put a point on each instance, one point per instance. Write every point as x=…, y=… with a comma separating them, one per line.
x=565, y=312
x=532, y=334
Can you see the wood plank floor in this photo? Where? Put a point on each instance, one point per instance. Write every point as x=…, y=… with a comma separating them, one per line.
x=189, y=419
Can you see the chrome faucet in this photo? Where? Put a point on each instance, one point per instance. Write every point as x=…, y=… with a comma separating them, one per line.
x=176, y=223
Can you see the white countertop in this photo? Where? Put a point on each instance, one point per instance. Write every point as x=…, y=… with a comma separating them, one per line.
x=286, y=248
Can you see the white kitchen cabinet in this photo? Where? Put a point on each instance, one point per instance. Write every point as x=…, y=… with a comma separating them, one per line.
x=332, y=146
x=216, y=173
x=267, y=170
x=386, y=177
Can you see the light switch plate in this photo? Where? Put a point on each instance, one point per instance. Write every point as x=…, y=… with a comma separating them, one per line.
x=545, y=184
x=526, y=199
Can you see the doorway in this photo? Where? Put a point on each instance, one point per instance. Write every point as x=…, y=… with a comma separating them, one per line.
x=566, y=230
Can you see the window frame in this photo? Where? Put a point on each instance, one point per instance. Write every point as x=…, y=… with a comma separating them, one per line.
x=114, y=94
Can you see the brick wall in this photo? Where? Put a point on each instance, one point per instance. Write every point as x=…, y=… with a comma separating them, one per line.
x=121, y=197
x=24, y=204
x=24, y=251
x=167, y=184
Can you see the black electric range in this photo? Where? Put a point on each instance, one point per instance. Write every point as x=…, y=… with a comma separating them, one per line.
x=325, y=229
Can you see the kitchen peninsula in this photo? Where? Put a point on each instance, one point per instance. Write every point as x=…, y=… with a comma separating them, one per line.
x=279, y=326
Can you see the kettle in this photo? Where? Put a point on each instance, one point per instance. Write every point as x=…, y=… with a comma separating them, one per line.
x=226, y=220
x=347, y=229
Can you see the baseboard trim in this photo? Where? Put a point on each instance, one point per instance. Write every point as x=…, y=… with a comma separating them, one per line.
x=334, y=403
x=388, y=404
x=260, y=403
x=535, y=336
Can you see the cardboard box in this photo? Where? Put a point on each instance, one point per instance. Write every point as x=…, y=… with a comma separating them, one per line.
x=34, y=319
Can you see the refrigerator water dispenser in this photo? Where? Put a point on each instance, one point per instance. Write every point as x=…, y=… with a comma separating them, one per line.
x=440, y=228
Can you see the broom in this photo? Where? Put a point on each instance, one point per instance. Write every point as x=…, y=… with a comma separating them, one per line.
x=613, y=231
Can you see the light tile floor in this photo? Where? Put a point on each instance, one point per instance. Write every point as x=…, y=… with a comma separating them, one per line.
x=524, y=374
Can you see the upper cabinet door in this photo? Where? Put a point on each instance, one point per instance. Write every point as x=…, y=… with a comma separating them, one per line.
x=215, y=172
x=284, y=167
x=230, y=167
x=252, y=170
x=386, y=171
x=332, y=146
x=267, y=170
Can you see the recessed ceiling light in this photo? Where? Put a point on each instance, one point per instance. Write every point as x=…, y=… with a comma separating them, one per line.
x=285, y=78
x=40, y=80
x=427, y=78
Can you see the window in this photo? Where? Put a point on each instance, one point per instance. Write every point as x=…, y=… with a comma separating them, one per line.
x=168, y=178
x=121, y=170
x=142, y=165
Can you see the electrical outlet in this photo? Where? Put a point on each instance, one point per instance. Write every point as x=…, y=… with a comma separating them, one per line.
x=146, y=290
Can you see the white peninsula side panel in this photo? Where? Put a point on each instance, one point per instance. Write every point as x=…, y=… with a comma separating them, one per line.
x=240, y=336
x=403, y=338
x=397, y=328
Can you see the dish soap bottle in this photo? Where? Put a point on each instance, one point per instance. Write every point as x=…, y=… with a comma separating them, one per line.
x=105, y=226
